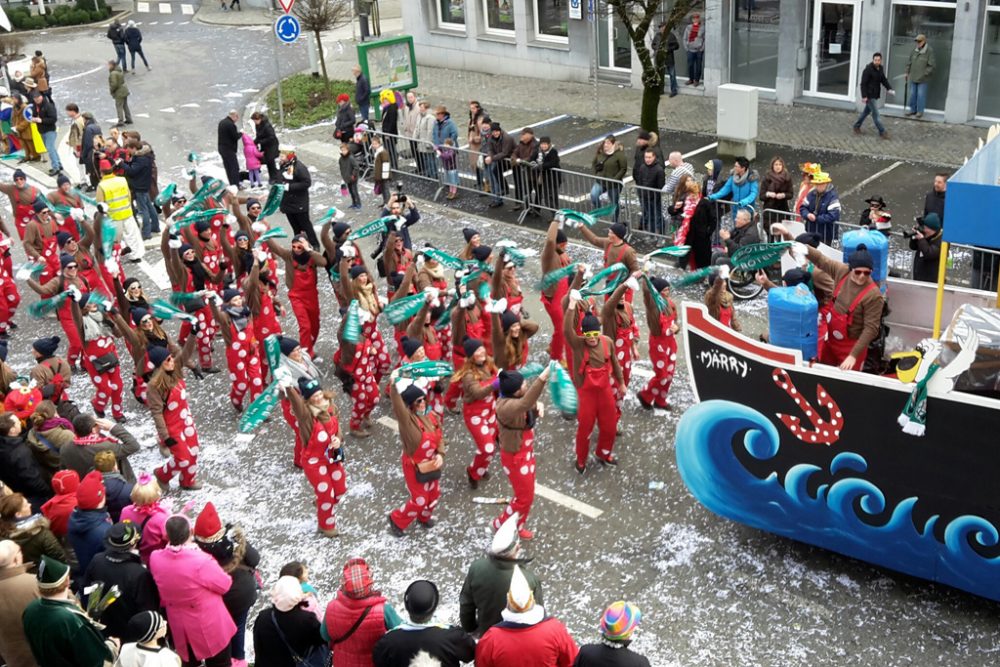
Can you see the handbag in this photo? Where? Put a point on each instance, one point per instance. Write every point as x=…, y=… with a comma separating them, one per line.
x=105, y=362
x=316, y=656
x=429, y=470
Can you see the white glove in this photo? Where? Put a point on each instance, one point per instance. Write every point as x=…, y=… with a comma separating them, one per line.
x=284, y=378
x=75, y=293
x=574, y=295
x=364, y=316
x=468, y=300
x=505, y=243
x=260, y=254
x=77, y=214
x=232, y=189
x=632, y=283
x=175, y=244
x=459, y=274
x=402, y=384
x=214, y=297
x=432, y=293
x=288, y=175
x=587, y=273
x=258, y=227
x=231, y=220
x=498, y=306
x=516, y=309
x=419, y=261
x=647, y=266
x=102, y=207
x=724, y=272
x=800, y=253
x=561, y=219
x=112, y=267
x=347, y=250
x=4, y=241
x=284, y=187
x=399, y=222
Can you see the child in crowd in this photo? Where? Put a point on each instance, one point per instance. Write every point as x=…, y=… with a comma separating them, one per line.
x=449, y=163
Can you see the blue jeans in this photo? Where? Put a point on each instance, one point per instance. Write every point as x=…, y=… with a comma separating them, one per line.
x=871, y=107
x=696, y=61
x=614, y=191
x=918, y=97
x=428, y=163
x=498, y=184
x=120, y=54
x=672, y=75
x=52, y=146
x=652, y=212
x=363, y=110
x=150, y=220
x=141, y=55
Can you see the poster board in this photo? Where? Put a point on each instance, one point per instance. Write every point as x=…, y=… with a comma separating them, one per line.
x=389, y=63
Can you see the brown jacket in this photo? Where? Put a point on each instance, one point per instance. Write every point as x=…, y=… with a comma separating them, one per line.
x=613, y=254
x=41, y=76
x=864, y=326
x=17, y=589
x=596, y=354
x=512, y=416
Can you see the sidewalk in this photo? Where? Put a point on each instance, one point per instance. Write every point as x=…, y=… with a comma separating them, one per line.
x=520, y=100
x=210, y=12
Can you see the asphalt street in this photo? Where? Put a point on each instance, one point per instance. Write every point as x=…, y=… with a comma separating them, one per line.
x=712, y=592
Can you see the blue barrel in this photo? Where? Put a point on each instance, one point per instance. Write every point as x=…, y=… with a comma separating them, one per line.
x=877, y=244
x=792, y=316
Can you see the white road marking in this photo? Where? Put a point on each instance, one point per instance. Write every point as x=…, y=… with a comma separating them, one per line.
x=187, y=9
x=870, y=179
x=234, y=94
x=540, y=489
x=164, y=7
x=594, y=142
x=250, y=90
x=142, y=7
x=169, y=23
x=141, y=115
x=700, y=150
x=191, y=105
x=215, y=100
x=168, y=110
x=154, y=23
x=157, y=273
x=77, y=76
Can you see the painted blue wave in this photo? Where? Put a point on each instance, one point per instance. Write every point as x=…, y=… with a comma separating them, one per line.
x=714, y=475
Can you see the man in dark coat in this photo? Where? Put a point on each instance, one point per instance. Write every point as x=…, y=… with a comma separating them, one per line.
x=119, y=565
x=267, y=142
x=295, y=202
x=133, y=40
x=362, y=92
x=484, y=593
x=618, y=624
x=45, y=117
x=926, y=244
x=228, y=141
x=117, y=36
x=92, y=435
x=650, y=177
x=90, y=130
x=449, y=644
x=872, y=81
x=390, y=126
x=934, y=200
x=18, y=467
x=138, y=171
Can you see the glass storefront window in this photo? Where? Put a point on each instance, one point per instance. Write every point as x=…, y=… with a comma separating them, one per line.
x=908, y=21
x=499, y=15
x=552, y=20
x=754, y=44
x=989, y=74
x=451, y=12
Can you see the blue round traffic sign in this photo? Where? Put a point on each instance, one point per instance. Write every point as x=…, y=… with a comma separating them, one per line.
x=287, y=28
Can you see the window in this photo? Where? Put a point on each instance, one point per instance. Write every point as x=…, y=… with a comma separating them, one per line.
x=937, y=22
x=551, y=21
x=989, y=73
x=499, y=15
x=451, y=13
x=754, y=44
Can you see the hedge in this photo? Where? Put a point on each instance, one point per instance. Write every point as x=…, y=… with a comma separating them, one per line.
x=62, y=15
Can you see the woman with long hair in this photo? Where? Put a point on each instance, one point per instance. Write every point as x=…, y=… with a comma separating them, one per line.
x=776, y=187
x=477, y=377
x=356, y=283
x=100, y=356
x=422, y=457
x=167, y=401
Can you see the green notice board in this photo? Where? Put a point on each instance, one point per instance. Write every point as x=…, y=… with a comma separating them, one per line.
x=389, y=63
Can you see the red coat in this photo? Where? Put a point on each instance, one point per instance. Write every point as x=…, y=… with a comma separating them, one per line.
x=341, y=614
x=191, y=584
x=545, y=644
x=57, y=511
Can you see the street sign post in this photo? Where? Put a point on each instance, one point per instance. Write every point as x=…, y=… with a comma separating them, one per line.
x=287, y=28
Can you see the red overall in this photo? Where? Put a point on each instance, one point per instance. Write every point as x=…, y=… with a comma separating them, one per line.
x=481, y=421
x=364, y=392
x=50, y=254
x=304, y=298
x=423, y=496
x=328, y=479
x=838, y=346
x=473, y=329
x=663, y=354
x=435, y=352
x=726, y=316
x=211, y=258
x=88, y=271
x=206, y=329
x=379, y=353
x=553, y=306
x=10, y=298
x=595, y=393
x=139, y=384
x=108, y=386
x=65, y=315
x=625, y=336
x=265, y=324
x=24, y=212
x=116, y=261
x=823, y=316
x=244, y=365
x=619, y=256
x=520, y=470
x=180, y=426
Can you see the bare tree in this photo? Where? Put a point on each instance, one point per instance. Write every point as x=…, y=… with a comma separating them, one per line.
x=638, y=16
x=318, y=16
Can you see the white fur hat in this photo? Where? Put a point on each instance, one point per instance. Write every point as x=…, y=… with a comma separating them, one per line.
x=506, y=538
x=519, y=598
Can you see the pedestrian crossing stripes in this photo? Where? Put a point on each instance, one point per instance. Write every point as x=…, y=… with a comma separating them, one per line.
x=163, y=8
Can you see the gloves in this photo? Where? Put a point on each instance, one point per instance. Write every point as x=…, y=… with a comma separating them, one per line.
x=497, y=306
x=574, y=295
x=214, y=297
x=724, y=272
x=174, y=242
x=231, y=220
x=467, y=301
x=287, y=175
x=258, y=227
x=75, y=293
x=587, y=273
x=632, y=283
x=799, y=252
x=284, y=187
x=77, y=214
x=399, y=222
x=432, y=293
x=170, y=442
x=112, y=267
x=260, y=255
x=232, y=189
x=102, y=207
x=419, y=261
x=348, y=250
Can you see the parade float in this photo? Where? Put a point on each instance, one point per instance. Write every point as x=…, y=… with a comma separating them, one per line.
x=897, y=470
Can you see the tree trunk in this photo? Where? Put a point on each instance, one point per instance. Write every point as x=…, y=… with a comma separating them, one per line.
x=650, y=107
x=322, y=60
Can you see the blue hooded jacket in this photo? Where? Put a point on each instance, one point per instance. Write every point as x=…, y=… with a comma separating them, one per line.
x=744, y=194
x=86, y=532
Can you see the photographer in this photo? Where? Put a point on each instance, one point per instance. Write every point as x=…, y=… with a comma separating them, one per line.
x=925, y=240
x=399, y=205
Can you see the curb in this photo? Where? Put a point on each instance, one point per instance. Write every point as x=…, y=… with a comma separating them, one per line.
x=65, y=28
x=198, y=16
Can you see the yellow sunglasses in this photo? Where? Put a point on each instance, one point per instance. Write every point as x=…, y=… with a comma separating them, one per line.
x=591, y=334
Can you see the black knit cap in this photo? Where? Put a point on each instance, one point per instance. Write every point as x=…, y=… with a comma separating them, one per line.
x=469, y=233
x=590, y=323
x=861, y=258
x=409, y=345
x=510, y=382
x=470, y=345
x=412, y=394
x=508, y=319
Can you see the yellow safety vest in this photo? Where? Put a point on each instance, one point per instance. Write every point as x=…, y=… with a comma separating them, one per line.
x=117, y=197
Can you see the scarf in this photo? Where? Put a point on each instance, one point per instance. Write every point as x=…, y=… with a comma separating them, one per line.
x=56, y=422
x=199, y=274
x=238, y=316
x=307, y=369
x=740, y=180
x=913, y=418
x=93, y=326
x=368, y=297
x=436, y=272
x=93, y=439
x=690, y=204
x=695, y=29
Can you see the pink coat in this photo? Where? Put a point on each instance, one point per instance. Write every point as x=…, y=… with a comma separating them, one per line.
x=250, y=153
x=191, y=584
x=152, y=518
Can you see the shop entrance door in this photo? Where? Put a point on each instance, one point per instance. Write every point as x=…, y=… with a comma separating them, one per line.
x=833, y=39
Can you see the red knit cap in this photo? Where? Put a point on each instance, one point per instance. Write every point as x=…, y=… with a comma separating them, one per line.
x=91, y=491
x=104, y=165
x=65, y=481
x=208, y=527
x=343, y=97
x=357, y=579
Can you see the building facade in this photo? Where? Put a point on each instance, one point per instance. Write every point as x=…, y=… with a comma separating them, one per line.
x=794, y=51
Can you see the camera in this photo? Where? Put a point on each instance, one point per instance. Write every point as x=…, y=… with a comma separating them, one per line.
x=400, y=196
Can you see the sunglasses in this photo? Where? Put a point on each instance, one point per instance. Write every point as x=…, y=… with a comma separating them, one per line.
x=862, y=272
x=72, y=266
x=591, y=334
